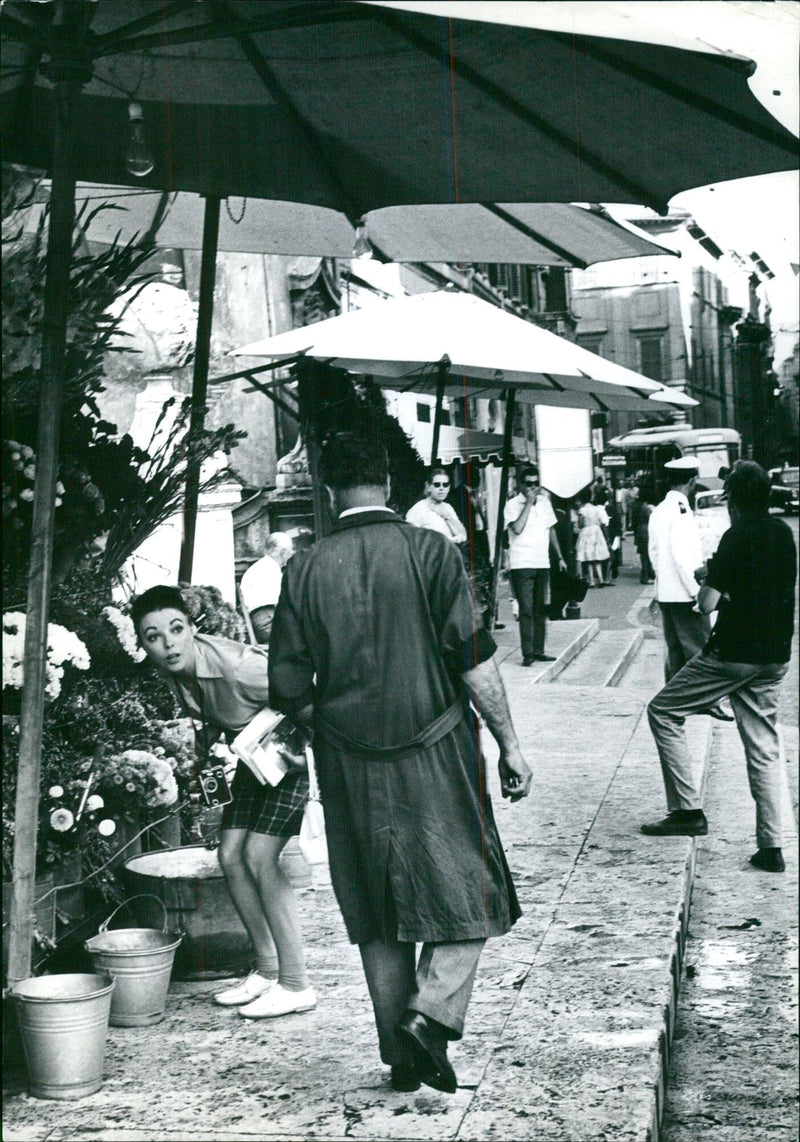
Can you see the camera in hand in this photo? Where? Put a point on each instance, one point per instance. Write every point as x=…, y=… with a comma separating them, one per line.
x=214, y=786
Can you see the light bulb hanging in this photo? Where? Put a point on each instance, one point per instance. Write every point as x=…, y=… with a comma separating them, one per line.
x=138, y=159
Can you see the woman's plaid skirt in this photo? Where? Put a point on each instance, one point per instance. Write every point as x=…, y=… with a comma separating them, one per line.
x=273, y=809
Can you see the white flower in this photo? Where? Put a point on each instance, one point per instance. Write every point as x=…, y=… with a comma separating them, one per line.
x=26, y=494
x=107, y=827
x=55, y=791
x=61, y=820
x=62, y=646
x=94, y=803
x=125, y=633
x=29, y=471
x=166, y=792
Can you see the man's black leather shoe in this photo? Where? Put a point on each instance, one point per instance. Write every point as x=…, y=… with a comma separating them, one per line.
x=720, y=713
x=679, y=823
x=404, y=1077
x=428, y=1041
x=544, y=657
x=769, y=860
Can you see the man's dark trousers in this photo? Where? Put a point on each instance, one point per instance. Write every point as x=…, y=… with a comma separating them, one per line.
x=531, y=586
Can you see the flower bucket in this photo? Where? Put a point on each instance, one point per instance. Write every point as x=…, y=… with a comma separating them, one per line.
x=190, y=884
x=63, y=1022
x=140, y=960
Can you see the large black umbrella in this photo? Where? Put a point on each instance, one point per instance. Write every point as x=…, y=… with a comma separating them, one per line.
x=345, y=105
x=355, y=106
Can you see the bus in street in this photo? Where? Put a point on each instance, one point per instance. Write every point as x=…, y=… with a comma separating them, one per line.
x=647, y=450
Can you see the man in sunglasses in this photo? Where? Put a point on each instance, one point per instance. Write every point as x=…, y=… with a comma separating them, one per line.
x=434, y=512
x=531, y=521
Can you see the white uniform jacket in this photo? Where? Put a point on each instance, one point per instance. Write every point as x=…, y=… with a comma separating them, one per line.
x=675, y=549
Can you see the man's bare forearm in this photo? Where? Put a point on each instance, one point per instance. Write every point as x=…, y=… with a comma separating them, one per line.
x=489, y=695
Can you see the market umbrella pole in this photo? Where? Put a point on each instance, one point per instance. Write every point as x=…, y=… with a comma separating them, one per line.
x=443, y=370
x=205, y=314
x=69, y=75
x=508, y=430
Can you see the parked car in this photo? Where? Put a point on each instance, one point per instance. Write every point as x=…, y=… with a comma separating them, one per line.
x=711, y=513
x=784, y=493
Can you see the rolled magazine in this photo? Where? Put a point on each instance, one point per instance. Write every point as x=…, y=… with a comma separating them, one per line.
x=264, y=743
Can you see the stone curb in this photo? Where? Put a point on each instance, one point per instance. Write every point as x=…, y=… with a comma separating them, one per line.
x=618, y=673
x=570, y=651
x=680, y=932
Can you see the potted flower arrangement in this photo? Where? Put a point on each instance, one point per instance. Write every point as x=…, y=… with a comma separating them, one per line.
x=140, y=787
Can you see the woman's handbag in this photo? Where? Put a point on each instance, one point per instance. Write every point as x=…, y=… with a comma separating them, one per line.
x=312, y=841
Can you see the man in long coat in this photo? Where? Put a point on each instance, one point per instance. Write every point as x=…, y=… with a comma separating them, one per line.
x=375, y=642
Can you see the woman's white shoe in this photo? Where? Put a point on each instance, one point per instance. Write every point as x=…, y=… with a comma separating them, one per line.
x=278, y=1001
x=246, y=991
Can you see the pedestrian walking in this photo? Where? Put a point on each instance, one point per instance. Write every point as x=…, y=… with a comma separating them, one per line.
x=375, y=642
x=222, y=685
x=592, y=550
x=641, y=510
x=260, y=586
x=530, y=522
x=751, y=582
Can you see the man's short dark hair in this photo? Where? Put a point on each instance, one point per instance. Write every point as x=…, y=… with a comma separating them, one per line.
x=160, y=598
x=748, y=487
x=354, y=459
x=528, y=470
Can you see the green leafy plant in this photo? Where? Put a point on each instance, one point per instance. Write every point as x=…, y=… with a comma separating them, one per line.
x=110, y=489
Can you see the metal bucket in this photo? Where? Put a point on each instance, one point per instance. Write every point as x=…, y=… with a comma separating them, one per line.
x=140, y=959
x=63, y=1022
x=190, y=884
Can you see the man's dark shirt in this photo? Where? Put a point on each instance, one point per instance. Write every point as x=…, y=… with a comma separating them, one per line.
x=756, y=566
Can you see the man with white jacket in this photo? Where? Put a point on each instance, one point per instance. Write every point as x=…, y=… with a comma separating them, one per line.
x=676, y=554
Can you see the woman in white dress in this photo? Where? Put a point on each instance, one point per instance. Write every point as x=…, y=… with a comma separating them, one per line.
x=592, y=549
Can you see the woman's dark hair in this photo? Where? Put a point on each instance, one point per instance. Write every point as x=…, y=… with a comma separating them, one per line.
x=354, y=459
x=437, y=472
x=160, y=598
x=748, y=487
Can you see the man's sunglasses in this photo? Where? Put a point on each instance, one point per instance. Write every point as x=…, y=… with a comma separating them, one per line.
x=441, y=484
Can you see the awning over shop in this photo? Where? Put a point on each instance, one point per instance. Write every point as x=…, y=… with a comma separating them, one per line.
x=473, y=444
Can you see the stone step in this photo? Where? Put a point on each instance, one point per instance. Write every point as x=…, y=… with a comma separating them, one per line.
x=605, y=660
x=645, y=670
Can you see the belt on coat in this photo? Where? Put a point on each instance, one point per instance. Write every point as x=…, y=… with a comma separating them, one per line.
x=432, y=733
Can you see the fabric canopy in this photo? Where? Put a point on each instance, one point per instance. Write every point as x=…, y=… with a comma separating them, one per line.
x=540, y=234
x=486, y=350
x=354, y=106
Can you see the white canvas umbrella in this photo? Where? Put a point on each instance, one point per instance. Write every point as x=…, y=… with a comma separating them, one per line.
x=420, y=342
x=454, y=342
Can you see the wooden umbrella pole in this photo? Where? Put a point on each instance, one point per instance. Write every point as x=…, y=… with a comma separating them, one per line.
x=205, y=314
x=508, y=431
x=54, y=336
x=443, y=370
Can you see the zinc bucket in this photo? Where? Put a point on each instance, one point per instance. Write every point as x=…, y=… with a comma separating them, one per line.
x=190, y=884
x=140, y=960
x=63, y=1022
